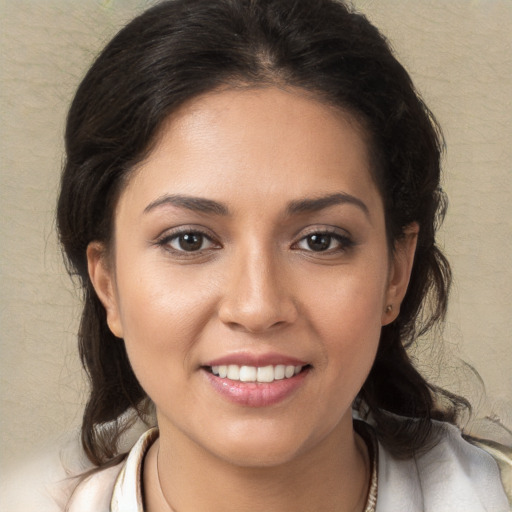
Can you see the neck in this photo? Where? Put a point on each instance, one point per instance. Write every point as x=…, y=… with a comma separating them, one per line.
x=333, y=476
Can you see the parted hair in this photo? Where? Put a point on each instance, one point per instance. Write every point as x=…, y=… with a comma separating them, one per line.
x=180, y=49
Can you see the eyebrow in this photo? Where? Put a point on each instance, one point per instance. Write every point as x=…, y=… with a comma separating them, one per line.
x=320, y=203
x=298, y=206
x=197, y=204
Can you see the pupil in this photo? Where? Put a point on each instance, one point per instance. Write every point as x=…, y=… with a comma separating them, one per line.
x=191, y=241
x=319, y=242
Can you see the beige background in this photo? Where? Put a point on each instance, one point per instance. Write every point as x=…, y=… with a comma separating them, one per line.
x=459, y=54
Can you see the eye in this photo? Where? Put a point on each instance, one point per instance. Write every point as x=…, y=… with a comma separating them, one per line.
x=324, y=242
x=187, y=241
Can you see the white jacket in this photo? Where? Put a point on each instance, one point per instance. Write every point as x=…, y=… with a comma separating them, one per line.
x=453, y=476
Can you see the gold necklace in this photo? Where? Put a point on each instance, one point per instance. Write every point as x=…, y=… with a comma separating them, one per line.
x=162, y=495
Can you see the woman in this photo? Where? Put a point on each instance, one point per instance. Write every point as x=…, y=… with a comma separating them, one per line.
x=250, y=200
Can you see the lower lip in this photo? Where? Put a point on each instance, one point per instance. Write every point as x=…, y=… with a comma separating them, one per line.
x=256, y=394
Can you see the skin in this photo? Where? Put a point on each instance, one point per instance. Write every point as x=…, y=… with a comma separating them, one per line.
x=255, y=286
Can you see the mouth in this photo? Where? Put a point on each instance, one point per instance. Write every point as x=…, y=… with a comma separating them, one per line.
x=256, y=380
x=256, y=386
x=260, y=374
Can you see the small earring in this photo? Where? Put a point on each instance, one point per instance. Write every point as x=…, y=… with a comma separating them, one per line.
x=389, y=308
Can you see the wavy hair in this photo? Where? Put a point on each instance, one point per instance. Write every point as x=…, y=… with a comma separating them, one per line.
x=181, y=49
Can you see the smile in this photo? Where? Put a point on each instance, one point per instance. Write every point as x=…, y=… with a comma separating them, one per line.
x=263, y=385
x=263, y=374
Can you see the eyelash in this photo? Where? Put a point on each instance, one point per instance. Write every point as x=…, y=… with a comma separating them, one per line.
x=344, y=242
x=166, y=240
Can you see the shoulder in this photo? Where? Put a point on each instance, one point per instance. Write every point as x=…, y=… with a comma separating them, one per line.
x=94, y=493
x=52, y=480
x=502, y=454
x=47, y=481
x=452, y=475
x=118, y=488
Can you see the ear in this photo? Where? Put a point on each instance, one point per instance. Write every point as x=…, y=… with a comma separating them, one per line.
x=400, y=272
x=104, y=284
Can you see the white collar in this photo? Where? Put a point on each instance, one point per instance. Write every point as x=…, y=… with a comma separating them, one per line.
x=452, y=476
x=127, y=495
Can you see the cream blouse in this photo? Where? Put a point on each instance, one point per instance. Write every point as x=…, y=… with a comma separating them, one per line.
x=453, y=476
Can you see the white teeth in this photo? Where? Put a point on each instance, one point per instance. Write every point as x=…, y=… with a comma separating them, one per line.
x=256, y=373
x=279, y=372
x=233, y=372
x=265, y=374
x=289, y=371
x=248, y=373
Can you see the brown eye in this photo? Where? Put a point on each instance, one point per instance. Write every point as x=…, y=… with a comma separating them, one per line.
x=327, y=242
x=190, y=242
x=319, y=242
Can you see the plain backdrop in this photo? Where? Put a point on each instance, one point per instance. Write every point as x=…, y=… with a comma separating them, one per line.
x=459, y=55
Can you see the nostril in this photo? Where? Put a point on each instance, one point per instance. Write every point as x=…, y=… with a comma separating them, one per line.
x=254, y=319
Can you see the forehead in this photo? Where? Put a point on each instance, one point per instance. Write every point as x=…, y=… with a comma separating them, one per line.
x=256, y=144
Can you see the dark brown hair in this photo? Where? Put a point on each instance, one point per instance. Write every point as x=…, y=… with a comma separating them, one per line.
x=180, y=49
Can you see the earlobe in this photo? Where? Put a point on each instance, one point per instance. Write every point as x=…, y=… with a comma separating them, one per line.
x=103, y=282
x=400, y=272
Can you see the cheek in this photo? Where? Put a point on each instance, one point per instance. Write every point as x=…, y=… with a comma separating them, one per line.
x=161, y=301
x=346, y=314
x=348, y=299
x=162, y=313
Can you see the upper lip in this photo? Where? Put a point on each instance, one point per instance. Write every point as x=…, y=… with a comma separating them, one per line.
x=248, y=359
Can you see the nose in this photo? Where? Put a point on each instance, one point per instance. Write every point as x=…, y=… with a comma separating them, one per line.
x=258, y=293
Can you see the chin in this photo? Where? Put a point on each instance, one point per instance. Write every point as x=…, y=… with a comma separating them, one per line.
x=261, y=455
x=259, y=447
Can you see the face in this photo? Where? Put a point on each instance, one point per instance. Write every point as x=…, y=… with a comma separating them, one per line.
x=250, y=274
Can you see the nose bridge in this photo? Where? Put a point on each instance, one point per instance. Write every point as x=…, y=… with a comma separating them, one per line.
x=257, y=296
